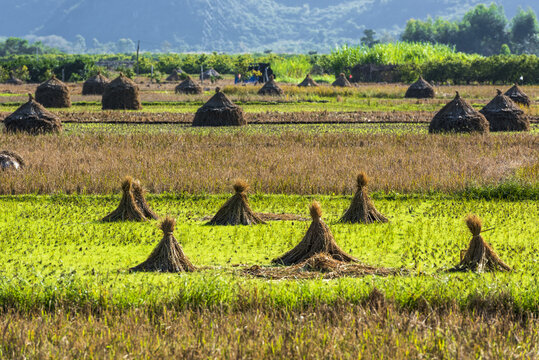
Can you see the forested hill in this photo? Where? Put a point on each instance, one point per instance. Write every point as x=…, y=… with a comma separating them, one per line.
x=226, y=25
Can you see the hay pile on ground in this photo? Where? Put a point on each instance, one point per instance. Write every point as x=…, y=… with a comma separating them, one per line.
x=362, y=209
x=168, y=255
x=317, y=240
x=188, y=86
x=270, y=88
x=208, y=74
x=121, y=93
x=308, y=81
x=128, y=210
x=421, y=89
x=140, y=200
x=53, y=93
x=95, y=85
x=320, y=265
x=11, y=160
x=32, y=118
x=236, y=211
x=479, y=256
x=175, y=75
x=517, y=95
x=219, y=111
x=504, y=115
x=13, y=80
x=458, y=116
x=341, y=81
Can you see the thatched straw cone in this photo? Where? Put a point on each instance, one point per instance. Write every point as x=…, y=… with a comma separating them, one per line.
x=317, y=240
x=188, y=86
x=128, y=209
x=121, y=94
x=138, y=194
x=53, y=93
x=270, y=88
x=504, y=115
x=517, y=95
x=236, y=211
x=458, y=116
x=307, y=82
x=32, y=118
x=13, y=80
x=421, y=89
x=362, y=209
x=479, y=256
x=341, y=81
x=175, y=75
x=11, y=160
x=219, y=111
x=95, y=85
x=168, y=255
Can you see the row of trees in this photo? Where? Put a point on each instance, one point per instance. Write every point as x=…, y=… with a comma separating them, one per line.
x=436, y=63
x=483, y=30
x=16, y=46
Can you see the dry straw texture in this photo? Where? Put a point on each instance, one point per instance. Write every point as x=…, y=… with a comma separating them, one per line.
x=362, y=209
x=236, y=211
x=11, y=160
x=479, y=256
x=308, y=82
x=121, y=94
x=188, y=86
x=321, y=265
x=128, y=209
x=504, y=115
x=460, y=117
x=140, y=200
x=14, y=80
x=32, y=118
x=271, y=88
x=421, y=89
x=317, y=240
x=53, y=93
x=291, y=163
x=168, y=255
x=341, y=81
x=95, y=85
x=175, y=75
x=219, y=111
x=516, y=94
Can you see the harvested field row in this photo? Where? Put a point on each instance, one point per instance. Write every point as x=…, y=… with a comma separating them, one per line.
x=252, y=118
x=161, y=92
x=287, y=162
x=304, y=117
x=383, y=332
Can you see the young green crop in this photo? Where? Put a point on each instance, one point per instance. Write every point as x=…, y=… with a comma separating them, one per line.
x=55, y=252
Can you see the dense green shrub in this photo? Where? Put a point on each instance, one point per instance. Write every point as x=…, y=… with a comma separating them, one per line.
x=437, y=63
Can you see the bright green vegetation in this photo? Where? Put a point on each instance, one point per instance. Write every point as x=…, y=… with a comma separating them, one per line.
x=55, y=252
x=343, y=105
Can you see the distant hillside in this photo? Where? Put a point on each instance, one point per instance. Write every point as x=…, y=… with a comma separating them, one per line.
x=227, y=25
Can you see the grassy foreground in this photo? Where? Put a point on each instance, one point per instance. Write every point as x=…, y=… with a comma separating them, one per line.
x=55, y=254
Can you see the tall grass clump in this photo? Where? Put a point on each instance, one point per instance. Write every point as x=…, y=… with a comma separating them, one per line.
x=398, y=53
x=292, y=68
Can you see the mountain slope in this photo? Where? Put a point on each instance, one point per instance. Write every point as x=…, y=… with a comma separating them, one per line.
x=227, y=25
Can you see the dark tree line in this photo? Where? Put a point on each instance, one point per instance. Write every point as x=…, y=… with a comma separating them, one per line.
x=484, y=30
x=16, y=46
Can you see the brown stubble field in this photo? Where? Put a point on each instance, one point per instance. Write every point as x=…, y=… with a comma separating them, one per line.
x=374, y=330
x=291, y=162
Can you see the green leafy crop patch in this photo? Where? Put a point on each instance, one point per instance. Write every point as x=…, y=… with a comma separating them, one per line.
x=54, y=250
